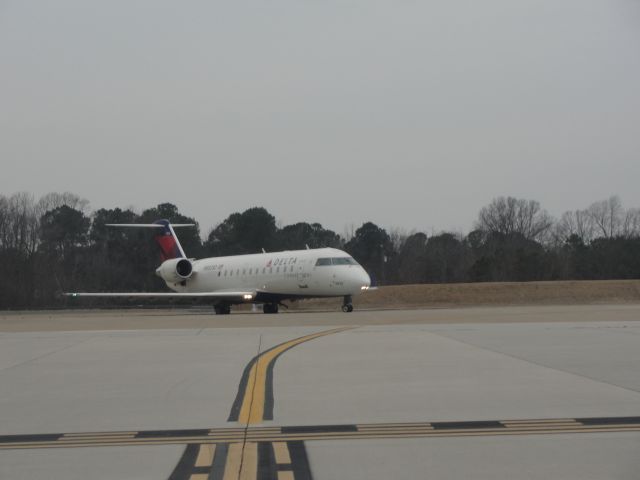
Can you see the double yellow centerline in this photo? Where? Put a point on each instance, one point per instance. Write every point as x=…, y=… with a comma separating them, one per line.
x=256, y=387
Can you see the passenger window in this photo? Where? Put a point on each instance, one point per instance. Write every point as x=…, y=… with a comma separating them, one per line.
x=321, y=262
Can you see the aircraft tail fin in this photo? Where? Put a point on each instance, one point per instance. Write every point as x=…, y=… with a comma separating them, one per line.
x=165, y=236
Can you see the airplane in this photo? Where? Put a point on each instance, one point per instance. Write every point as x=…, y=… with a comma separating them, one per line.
x=263, y=278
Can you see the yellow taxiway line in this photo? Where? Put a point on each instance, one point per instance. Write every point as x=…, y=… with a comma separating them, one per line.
x=254, y=395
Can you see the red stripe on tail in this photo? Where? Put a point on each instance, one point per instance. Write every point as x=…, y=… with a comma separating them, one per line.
x=168, y=247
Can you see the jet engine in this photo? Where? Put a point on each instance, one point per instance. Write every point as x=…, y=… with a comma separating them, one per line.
x=175, y=270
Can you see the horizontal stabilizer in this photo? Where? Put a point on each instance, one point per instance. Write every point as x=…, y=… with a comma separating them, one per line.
x=167, y=240
x=149, y=225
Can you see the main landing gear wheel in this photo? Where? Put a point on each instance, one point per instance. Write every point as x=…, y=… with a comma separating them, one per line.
x=270, y=308
x=222, y=309
x=347, y=307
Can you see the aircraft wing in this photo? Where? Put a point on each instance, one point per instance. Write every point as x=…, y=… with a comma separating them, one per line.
x=234, y=295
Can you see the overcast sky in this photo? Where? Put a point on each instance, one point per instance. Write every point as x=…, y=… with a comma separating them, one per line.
x=407, y=113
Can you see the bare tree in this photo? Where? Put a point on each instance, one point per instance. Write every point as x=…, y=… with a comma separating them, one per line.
x=20, y=225
x=631, y=223
x=576, y=222
x=53, y=200
x=4, y=220
x=508, y=215
x=349, y=231
x=607, y=216
x=398, y=237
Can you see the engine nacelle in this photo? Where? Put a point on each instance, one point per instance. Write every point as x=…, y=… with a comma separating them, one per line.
x=175, y=270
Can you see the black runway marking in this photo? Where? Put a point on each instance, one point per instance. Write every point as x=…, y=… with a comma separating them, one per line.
x=466, y=425
x=267, y=468
x=187, y=462
x=268, y=397
x=38, y=437
x=220, y=436
x=608, y=420
x=219, y=461
x=242, y=389
x=299, y=460
x=319, y=429
x=200, y=470
x=268, y=390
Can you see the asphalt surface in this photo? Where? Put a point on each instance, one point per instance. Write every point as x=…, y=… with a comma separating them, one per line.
x=512, y=392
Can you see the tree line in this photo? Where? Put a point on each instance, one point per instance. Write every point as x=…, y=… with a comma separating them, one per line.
x=56, y=244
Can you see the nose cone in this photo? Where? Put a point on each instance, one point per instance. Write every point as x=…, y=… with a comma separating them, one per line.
x=366, y=280
x=361, y=279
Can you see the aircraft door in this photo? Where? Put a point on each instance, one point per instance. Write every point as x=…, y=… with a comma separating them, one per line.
x=321, y=276
x=303, y=276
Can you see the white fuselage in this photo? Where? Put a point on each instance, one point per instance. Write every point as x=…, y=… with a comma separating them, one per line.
x=322, y=272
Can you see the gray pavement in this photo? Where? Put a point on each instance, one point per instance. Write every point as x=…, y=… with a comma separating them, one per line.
x=566, y=457
x=426, y=376
x=202, y=317
x=139, y=463
x=602, y=351
x=407, y=366
x=152, y=379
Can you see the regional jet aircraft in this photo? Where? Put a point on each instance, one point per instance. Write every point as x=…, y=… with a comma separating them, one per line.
x=266, y=278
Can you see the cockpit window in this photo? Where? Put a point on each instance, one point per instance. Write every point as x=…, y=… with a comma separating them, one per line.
x=335, y=261
x=343, y=261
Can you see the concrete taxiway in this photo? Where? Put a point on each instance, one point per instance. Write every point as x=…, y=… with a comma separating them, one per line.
x=512, y=392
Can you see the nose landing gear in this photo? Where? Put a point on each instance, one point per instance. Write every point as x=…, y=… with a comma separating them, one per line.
x=270, y=308
x=347, y=306
x=222, y=308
